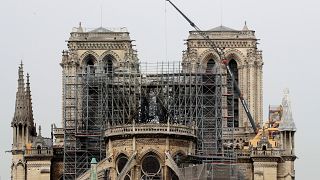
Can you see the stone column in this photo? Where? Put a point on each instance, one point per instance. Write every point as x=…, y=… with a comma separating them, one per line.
x=290, y=143
x=257, y=94
x=138, y=173
x=293, y=145
x=14, y=135
x=22, y=136
x=242, y=84
x=18, y=137
x=251, y=93
x=27, y=134
x=260, y=92
x=245, y=91
x=285, y=140
x=281, y=140
x=134, y=144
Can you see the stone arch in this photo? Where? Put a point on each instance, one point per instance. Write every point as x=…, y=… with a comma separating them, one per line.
x=89, y=53
x=150, y=150
x=121, y=152
x=151, y=164
x=207, y=55
x=236, y=55
x=19, y=164
x=120, y=162
x=20, y=170
x=109, y=61
x=113, y=54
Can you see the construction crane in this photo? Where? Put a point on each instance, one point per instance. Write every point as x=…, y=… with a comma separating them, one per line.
x=224, y=61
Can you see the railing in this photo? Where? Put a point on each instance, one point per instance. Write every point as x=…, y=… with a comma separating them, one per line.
x=120, y=34
x=151, y=129
x=243, y=155
x=38, y=152
x=268, y=153
x=113, y=29
x=58, y=131
x=221, y=34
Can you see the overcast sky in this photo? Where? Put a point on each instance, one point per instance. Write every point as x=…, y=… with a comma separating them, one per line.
x=35, y=31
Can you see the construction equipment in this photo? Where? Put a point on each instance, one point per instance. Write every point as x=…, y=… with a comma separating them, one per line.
x=224, y=61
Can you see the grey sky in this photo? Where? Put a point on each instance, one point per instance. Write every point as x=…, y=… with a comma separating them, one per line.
x=36, y=30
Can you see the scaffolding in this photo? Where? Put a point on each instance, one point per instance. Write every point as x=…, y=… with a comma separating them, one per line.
x=163, y=93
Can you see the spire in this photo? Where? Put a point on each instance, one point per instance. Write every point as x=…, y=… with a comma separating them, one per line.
x=29, y=102
x=39, y=130
x=20, y=79
x=80, y=29
x=20, y=108
x=286, y=123
x=245, y=27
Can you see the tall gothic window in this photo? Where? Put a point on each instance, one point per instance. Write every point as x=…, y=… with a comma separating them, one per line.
x=89, y=64
x=210, y=66
x=234, y=69
x=108, y=63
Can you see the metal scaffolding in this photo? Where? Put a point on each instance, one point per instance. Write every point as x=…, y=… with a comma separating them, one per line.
x=161, y=93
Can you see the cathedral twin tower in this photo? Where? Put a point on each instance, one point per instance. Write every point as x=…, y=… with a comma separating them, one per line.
x=130, y=120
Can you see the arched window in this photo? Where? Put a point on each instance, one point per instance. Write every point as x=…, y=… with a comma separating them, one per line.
x=234, y=68
x=108, y=63
x=210, y=66
x=151, y=167
x=39, y=149
x=235, y=114
x=89, y=64
x=121, y=162
x=264, y=148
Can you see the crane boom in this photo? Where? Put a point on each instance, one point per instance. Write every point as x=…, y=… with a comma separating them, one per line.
x=225, y=62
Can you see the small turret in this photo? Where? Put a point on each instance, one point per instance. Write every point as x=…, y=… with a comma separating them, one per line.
x=287, y=126
x=286, y=123
x=287, y=129
x=93, y=170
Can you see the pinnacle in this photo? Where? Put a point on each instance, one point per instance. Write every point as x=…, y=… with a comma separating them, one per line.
x=245, y=27
x=287, y=123
x=23, y=108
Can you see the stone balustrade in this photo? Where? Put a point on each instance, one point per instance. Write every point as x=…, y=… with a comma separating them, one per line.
x=151, y=129
x=77, y=36
x=221, y=35
x=266, y=153
x=243, y=155
x=58, y=131
x=38, y=152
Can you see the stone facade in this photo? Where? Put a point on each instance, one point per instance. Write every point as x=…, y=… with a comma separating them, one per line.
x=139, y=150
x=156, y=149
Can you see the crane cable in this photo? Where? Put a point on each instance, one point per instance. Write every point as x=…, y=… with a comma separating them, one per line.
x=165, y=30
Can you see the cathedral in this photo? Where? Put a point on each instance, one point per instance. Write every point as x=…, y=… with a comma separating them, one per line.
x=129, y=120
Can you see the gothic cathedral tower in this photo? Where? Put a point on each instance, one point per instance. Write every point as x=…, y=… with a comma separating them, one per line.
x=245, y=60
x=91, y=54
